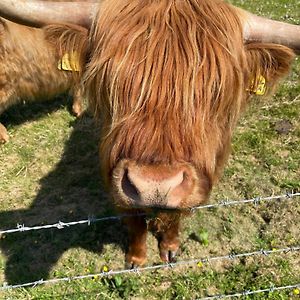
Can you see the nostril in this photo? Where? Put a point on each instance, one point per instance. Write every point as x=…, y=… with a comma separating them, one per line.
x=128, y=187
x=185, y=179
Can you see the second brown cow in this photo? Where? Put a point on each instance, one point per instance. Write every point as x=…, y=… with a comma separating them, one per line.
x=29, y=70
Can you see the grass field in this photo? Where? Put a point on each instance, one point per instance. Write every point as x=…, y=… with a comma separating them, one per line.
x=49, y=172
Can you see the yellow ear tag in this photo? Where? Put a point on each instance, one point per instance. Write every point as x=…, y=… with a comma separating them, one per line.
x=69, y=62
x=260, y=88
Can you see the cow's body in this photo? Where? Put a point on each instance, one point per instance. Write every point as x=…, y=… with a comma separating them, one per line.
x=29, y=70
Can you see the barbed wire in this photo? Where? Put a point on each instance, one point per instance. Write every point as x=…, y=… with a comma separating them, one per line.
x=60, y=224
x=138, y=271
x=271, y=289
x=91, y=220
x=255, y=201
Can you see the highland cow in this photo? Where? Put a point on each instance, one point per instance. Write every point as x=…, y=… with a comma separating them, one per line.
x=169, y=80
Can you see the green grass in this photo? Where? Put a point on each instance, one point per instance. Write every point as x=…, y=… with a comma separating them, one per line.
x=49, y=172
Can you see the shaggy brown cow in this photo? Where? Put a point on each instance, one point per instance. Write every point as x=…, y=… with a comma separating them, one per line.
x=29, y=70
x=169, y=80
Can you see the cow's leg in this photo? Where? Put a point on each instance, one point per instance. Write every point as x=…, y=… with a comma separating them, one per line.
x=7, y=98
x=77, y=107
x=137, y=230
x=166, y=228
x=3, y=134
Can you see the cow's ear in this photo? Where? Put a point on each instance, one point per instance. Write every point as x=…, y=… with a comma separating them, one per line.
x=267, y=64
x=70, y=44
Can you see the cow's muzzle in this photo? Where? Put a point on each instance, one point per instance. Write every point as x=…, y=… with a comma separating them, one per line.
x=153, y=186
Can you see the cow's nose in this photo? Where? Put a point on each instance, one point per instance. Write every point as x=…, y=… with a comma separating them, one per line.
x=156, y=186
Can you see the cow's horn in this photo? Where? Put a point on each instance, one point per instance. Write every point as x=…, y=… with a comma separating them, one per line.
x=259, y=29
x=40, y=13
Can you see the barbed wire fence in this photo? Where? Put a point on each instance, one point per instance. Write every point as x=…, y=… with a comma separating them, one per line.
x=91, y=220
x=197, y=261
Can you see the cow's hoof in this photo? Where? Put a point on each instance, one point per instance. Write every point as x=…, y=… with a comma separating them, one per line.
x=132, y=262
x=77, y=110
x=130, y=266
x=168, y=256
x=4, y=138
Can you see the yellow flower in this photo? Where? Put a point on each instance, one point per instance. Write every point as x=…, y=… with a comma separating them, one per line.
x=105, y=269
x=200, y=264
x=296, y=291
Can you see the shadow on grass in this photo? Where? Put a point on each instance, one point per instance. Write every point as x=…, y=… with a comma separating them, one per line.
x=29, y=111
x=72, y=191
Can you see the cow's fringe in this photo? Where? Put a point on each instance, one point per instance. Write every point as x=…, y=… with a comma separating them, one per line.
x=160, y=72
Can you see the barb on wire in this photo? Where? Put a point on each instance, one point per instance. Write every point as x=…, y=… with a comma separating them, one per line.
x=89, y=221
x=151, y=268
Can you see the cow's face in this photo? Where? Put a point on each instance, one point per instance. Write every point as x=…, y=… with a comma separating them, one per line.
x=169, y=87
x=169, y=95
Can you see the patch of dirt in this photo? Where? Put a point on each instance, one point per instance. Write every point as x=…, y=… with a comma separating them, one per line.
x=283, y=126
